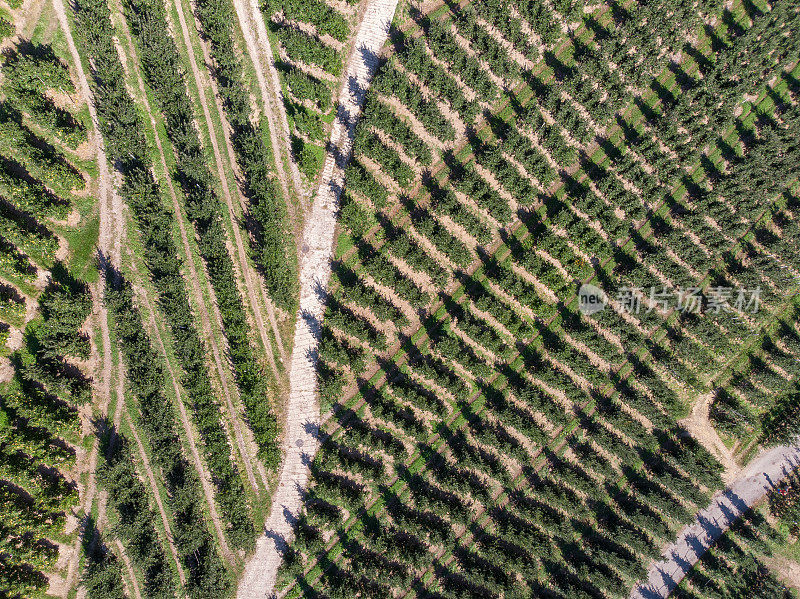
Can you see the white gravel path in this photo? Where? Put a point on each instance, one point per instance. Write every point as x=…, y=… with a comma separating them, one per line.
x=759, y=477
x=300, y=443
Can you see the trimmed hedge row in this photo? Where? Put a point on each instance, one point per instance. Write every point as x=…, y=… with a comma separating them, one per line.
x=197, y=548
x=135, y=525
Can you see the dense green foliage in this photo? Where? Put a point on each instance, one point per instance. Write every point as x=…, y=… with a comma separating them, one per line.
x=102, y=577
x=326, y=20
x=758, y=400
x=25, y=193
x=273, y=250
x=39, y=423
x=37, y=416
x=6, y=25
x=39, y=157
x=781, y=425
x=135, y=525
x=196, y=546
x=162, y=67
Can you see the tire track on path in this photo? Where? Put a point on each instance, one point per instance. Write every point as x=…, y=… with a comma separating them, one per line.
x=301, y=429
x=189, y=262
x=250, y=278
x=763, y=474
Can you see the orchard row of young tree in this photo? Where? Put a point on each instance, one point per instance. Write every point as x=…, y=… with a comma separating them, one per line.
x=273, y=249
x=754, y=400
x=39, y=422
x=161, y=63
x=156, y=417
x=602, y=181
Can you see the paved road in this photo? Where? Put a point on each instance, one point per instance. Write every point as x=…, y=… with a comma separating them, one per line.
x=300, y=443
x=758, y=478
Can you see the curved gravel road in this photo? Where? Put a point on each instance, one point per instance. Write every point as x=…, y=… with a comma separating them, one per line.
x=756, y=480
x=300, y=442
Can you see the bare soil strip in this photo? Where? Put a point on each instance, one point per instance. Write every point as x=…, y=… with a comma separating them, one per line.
x=108, y=247
x=700, y=427
x=762, y=474
x=137, y=593
x=25, y=18
x=301, y=429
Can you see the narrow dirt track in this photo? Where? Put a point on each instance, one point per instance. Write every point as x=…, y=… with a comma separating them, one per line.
x=205, y=317
x=137, y=593
x=109, y=245
x=752, y=484
x=248, y=274
x=25, y=17
x=260, y=51
x=300, y=440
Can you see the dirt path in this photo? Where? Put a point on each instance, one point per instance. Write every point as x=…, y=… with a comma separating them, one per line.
x=109, y=245
x=300, y=441
x=787, y=570
x=260, y=51
x=700, y=427
x=752, y=484
x=249, y=276
x=25, y=19
x=205, y=319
